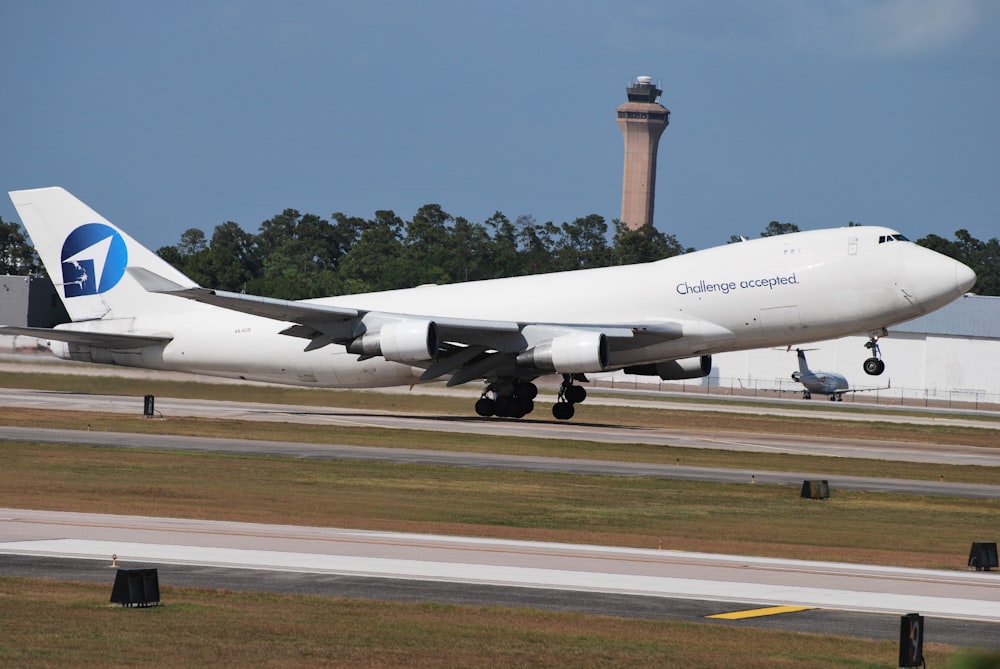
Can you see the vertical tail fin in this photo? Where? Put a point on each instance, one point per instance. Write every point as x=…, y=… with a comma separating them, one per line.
x=803, y=367
x=85, y=255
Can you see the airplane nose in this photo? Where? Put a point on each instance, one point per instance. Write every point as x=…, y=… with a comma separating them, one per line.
x=936, y=279
x=965, y=278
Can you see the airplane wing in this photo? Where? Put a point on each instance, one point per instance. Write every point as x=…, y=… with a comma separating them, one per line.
x=887, y=386
x=96, y=339
x=465, y=348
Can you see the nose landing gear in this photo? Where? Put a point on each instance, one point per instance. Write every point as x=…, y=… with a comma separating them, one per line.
x=874, y=365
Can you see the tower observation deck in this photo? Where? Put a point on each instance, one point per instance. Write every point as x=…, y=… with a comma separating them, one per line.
x=642, y=120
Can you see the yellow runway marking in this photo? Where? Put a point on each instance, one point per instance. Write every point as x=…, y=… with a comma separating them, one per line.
x=757, y=613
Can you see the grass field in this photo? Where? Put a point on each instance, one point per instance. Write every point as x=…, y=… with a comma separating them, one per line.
x=48, y=624
x=45, y=623
x=906, y=530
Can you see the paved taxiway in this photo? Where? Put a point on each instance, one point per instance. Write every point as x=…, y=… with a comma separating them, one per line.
x=538, y=428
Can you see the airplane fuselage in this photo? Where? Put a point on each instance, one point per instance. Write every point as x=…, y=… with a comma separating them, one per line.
x=774, y=291
x=824, y=383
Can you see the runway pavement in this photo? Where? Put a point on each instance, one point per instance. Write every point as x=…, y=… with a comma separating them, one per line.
x=838, y=598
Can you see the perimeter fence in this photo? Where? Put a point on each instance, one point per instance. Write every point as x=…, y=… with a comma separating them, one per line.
x=951, y=398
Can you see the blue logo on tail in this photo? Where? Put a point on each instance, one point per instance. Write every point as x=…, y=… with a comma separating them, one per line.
x=94, y=258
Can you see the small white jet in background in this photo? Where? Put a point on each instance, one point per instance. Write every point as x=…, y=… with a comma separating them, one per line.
x=824, y=383
x=663, y=318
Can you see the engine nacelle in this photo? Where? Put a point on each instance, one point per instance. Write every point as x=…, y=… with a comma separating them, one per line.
x=399, y=341
x=574, y=353
x=675, y=370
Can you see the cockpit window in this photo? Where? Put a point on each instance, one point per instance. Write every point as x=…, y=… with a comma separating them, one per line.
x=892, y=238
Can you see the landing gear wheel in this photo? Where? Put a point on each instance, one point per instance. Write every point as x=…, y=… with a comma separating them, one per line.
x=563, y=410
x=874, y=366
x=506, y=406
x=525, y=390
x=507, y=398
x=575, y=394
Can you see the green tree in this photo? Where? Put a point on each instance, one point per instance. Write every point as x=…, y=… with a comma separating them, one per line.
x=503, y=255
x=181, y=254
x=644, y=244
x=229, y=261
x=298, y=255
x=192, y=241
x=373, y=262
x=583, y=244
x=537, y=244
x=17, y=256
x=469, y=250
x=426, y=248
x=774, y=228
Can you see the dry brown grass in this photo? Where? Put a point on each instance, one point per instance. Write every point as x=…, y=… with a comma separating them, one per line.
x=48, y=624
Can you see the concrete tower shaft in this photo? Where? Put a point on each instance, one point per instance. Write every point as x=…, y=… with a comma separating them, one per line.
x=642, y=120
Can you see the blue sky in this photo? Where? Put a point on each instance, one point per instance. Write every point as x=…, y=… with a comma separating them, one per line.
x=166, y=116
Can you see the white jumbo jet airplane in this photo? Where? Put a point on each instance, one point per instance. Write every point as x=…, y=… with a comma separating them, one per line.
x=664, y=318
x=824, y=383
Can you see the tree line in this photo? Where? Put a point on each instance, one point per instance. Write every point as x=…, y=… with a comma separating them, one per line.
x=297, y=256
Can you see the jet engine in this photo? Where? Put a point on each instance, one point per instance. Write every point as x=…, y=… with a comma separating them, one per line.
x=399, y=341
x=578, y=352
x=675, y=370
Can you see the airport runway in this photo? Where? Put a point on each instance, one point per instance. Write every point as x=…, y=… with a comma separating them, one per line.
x=828, y=597
x=840, y=599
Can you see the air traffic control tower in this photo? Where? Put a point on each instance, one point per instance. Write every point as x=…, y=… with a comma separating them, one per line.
x=642, y=120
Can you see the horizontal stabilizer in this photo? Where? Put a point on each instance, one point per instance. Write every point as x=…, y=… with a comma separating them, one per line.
x=154, y=283
x=108, y=340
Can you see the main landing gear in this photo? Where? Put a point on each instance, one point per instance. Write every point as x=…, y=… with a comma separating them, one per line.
x=511, y=399
x=569, y=395
x=874, y=365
